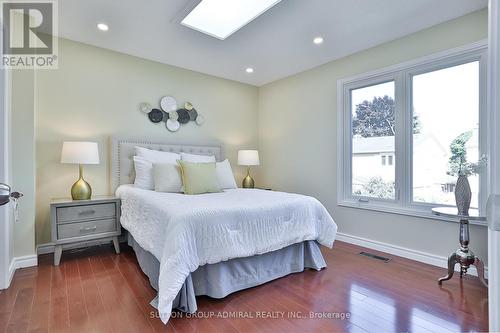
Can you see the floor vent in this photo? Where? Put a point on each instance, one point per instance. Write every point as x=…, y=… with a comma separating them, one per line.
x=374, y=256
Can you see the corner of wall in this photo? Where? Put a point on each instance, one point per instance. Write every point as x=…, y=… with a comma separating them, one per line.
x=23, y=163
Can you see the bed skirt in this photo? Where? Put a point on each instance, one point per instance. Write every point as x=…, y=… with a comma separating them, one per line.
x=223, y=278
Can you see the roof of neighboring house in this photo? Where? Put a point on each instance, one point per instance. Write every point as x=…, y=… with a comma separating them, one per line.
x=385, y=144
x=373, y=145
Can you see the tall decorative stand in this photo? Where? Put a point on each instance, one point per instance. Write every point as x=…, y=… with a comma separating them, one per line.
x=463, y=256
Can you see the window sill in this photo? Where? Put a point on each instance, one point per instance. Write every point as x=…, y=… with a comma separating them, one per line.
x=402, y=211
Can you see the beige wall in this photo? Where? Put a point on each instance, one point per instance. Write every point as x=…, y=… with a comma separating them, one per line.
x=298, y=138
x=95, y=94
x=23, y=158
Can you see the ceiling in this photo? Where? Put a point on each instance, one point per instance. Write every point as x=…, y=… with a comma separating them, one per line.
x=276, y=44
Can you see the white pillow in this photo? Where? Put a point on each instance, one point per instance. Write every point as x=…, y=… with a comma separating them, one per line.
x=143, y=173
x=167, y=178
x=156, y=156
x=194, y=158
x=225, y=175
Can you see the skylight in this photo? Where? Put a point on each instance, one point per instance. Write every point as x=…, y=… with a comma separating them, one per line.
x=222, y=18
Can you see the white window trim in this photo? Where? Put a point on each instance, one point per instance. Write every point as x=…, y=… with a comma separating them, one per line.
x=401, y=74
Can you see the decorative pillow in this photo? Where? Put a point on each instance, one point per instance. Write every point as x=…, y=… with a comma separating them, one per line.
x=225, y=175
x=199, y=178
x=197, y=158
x=143, y=173
x=156, y=156
x=167, y=177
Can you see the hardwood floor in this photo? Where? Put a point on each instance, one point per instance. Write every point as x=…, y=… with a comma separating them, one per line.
x=97, y=291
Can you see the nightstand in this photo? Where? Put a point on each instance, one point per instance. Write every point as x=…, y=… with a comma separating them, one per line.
x=80, y=221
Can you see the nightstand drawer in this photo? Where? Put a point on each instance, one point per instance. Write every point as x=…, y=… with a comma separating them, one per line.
x=86, y=212
x=80, y=229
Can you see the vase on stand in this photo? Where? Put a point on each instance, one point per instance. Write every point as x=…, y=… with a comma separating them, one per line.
x=463, y=195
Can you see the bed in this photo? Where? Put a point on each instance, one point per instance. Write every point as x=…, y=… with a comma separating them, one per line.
x=215, y=244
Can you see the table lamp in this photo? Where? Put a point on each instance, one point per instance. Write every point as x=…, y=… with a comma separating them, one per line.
x=80, y=153
x=248, y=158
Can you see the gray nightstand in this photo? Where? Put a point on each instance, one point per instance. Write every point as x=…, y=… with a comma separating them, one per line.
x=79, y=221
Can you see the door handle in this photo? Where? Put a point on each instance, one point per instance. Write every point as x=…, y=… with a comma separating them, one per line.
x=88, y=229
x=6, y=195
x=87, y=212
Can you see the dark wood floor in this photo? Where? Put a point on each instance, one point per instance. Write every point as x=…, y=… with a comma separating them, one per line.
x=97, y=291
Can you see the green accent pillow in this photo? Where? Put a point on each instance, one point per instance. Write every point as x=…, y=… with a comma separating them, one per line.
x=199, y=178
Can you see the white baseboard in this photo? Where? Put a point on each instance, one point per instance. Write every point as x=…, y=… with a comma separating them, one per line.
x=22, y=262
x=424, y=257
x=45, y=248
x=420, y=256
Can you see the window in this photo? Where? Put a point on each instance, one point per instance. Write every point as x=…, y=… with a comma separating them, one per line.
x=400, y=129
x=372, y=108
x=445, y=107
x=387, y=159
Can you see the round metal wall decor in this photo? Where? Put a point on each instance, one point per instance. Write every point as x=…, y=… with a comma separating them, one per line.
x=165, y=116
x=170, y=114
x=144, y=107
x=168, y=104
x=200, y=119
x=193, y=114
x=183, y=116
x=173, y=115
x=155, y=115
x=173, y=125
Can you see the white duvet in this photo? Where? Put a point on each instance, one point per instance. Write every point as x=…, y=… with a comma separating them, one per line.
x=187, y=231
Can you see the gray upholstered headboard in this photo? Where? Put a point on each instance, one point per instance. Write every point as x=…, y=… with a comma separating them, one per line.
x=123, y=149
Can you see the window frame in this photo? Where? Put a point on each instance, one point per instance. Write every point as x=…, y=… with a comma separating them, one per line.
x=402, y=75
x=347, y=89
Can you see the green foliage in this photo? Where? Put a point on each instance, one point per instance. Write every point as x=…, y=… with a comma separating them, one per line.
x=377, y=188
x=376, y=118
x=457, y=163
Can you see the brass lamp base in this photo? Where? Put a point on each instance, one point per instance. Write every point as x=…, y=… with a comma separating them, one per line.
x=248, y=181
x=81, y=190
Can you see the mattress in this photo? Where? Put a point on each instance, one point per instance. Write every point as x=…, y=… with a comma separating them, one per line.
x=184, y=232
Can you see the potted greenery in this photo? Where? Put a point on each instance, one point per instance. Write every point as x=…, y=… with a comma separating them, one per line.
x=458, y=166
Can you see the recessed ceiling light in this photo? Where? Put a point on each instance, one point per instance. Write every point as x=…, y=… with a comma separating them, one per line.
x=249, y=70
x=318, y=40
x=102, y=26
x=221, y=18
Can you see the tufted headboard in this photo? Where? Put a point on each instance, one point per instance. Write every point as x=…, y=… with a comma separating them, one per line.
x=123, y=149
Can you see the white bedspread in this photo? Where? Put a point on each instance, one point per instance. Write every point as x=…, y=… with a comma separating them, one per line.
x=187, y=231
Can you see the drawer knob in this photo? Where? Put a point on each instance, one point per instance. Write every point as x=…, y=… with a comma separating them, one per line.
x=87, y=212
x=88, y=229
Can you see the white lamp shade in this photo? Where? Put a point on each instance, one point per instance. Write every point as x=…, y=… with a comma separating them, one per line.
x=80, y=153
x=248, y=157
